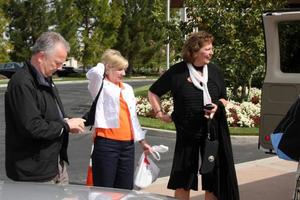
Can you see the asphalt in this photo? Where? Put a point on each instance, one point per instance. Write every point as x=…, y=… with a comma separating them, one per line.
x=265, y=179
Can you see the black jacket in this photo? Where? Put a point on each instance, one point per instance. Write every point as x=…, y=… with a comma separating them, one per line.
x=225, y=185
x=36, y=134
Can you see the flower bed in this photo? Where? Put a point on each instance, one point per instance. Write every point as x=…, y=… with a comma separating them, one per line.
x=245, y=114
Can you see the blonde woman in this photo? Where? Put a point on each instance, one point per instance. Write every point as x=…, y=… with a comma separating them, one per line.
x=116, y=123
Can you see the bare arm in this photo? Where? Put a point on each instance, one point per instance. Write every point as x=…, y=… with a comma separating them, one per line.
x=224, y=102
x=155, y=103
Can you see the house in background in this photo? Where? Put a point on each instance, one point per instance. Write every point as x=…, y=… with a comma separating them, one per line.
x=72, y=62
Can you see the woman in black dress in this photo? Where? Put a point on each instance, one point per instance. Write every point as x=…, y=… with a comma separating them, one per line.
x=193, y=83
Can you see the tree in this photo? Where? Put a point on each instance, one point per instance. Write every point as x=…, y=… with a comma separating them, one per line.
x=141, y=35
x=66, y=17
x=5, y=46
x=237, y=27
x=98, y=22
x=28, y=20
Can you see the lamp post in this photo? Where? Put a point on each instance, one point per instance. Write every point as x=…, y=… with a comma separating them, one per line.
x=168, y=44
x=173, y=4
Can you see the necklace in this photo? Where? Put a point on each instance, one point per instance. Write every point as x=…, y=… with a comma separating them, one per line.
x=198, y=68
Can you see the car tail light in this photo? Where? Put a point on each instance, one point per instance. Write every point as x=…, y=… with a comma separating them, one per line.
x=267, y=138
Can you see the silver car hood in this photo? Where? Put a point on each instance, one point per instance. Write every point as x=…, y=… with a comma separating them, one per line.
x=41, y=191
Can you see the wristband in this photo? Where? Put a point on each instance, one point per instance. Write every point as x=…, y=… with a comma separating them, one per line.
x=158, y=112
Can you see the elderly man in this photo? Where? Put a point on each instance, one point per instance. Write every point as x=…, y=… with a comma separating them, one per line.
x=37, y=129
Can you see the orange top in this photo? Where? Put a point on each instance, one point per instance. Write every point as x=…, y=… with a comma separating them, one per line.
x=124, y=132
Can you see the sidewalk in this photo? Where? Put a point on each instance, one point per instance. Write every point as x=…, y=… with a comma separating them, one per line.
x=265, y=179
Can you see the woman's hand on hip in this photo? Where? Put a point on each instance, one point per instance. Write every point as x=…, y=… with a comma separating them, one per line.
x=164, y=117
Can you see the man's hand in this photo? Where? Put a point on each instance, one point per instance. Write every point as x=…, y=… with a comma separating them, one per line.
x=76, y=125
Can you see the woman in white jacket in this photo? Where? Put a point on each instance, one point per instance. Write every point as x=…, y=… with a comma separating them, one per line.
x=116, y=123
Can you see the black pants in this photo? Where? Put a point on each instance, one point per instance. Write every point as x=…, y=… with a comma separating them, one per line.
x=113, y=163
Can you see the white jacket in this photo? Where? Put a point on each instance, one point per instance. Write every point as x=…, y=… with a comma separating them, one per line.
x=108, y=105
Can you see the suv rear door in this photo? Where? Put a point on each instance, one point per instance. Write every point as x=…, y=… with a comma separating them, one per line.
x=281, y=85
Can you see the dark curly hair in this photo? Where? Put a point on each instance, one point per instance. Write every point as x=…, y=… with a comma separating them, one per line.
x=194, y=43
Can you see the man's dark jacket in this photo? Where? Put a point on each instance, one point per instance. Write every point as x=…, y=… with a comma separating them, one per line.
x=289, y=126
x=36, y=134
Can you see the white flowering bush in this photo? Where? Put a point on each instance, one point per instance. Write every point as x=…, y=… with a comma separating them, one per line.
x=255, y=95
x=167, y=105
x=245, y=114
x=143, y=107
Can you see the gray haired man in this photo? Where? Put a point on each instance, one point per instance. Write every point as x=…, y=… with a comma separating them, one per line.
x=37, y=128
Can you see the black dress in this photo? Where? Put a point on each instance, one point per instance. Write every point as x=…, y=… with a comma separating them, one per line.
x=189, y=120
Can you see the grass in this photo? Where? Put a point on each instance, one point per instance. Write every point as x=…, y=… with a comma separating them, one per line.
x=4, y=81
x=60, y=79
x=243, y=131
x=155, y=123
x=141, y=91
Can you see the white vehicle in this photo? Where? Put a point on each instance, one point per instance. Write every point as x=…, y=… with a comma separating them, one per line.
x=281, y=85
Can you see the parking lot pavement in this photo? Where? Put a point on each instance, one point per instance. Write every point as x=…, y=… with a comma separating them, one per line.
x=264, y=179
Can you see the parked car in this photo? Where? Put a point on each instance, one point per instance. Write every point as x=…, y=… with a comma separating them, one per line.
x=38, y=191
x=66, y=71
x=8, y=69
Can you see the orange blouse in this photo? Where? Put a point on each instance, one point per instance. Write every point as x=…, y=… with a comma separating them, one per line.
x=124, y=132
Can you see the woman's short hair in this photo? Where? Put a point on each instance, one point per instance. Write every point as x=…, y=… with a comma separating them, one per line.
x=194, y=43
x=112, y=59
x=107, y=53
